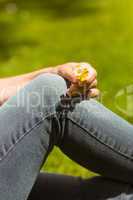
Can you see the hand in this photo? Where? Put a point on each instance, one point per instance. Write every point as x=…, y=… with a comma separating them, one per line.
x=87, y=87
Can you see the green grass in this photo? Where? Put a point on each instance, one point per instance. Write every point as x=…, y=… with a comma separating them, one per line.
x=98, y=31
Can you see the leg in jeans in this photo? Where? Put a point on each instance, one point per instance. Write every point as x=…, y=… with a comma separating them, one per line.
x=62, y=187
x=91, y=135
x=26, y=135
x=99, y=140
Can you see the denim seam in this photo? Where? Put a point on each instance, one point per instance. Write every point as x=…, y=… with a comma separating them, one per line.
x=88, y=131
x=23, y=136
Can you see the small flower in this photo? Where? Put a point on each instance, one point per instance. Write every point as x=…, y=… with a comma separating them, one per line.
x=82, y=72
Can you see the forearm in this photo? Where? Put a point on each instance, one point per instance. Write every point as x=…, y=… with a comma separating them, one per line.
x=10, y=85
x=26, y=77
x=34, y=74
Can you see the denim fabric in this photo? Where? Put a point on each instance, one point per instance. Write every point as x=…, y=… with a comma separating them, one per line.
x=26, y=134
x=90, y=134
x=99, y=140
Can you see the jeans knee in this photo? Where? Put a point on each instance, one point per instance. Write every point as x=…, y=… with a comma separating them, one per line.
x=54, y=82
x=42, y=94
x=49, y=88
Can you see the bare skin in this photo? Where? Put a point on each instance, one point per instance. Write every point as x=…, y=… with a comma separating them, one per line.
x=11, y=85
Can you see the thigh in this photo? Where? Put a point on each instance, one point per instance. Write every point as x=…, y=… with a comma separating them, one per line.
x=99, y=140
x=26, y=135
x=62, y=187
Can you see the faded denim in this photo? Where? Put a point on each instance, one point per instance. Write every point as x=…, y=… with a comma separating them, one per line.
x=35, y=120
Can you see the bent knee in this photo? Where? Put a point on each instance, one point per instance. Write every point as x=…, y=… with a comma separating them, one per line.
x=50, y=81
x=41, y=94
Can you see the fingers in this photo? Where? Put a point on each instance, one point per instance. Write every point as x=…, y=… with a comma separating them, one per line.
x=93, y=93
x=66, y=71
x=78, y=87
x=89, y=87
x=75, y=90
x=91, y=76
x=67, y=74
x=93, y=84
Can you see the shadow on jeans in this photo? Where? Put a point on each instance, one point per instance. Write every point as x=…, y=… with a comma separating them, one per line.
x=61, y=187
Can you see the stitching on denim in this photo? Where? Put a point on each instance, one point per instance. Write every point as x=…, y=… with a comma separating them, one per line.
x=23, y=136
x=87, y=131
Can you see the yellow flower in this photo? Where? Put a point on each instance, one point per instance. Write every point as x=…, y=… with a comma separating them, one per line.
x=82, y=72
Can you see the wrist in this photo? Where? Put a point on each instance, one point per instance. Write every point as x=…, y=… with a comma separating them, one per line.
x=53, y=70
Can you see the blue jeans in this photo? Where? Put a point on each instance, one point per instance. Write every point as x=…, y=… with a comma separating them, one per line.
x=36, y=119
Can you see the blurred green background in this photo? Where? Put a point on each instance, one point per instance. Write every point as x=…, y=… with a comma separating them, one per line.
x=36, y=34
